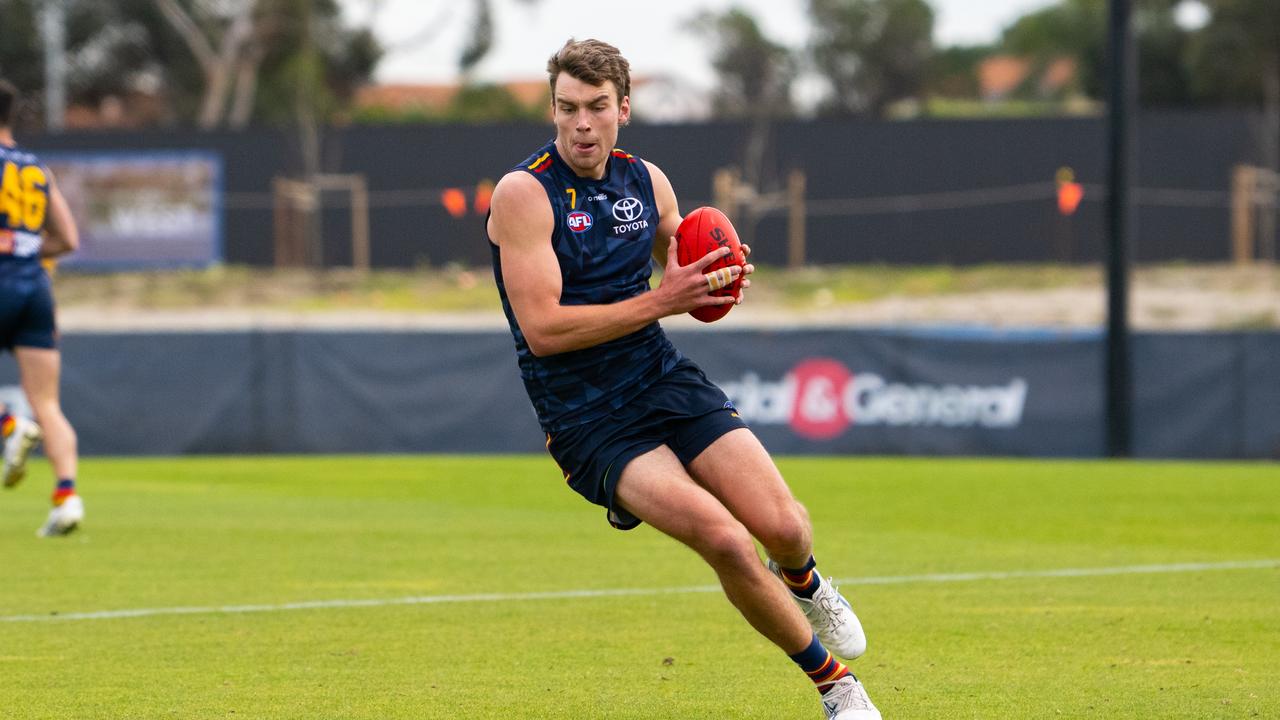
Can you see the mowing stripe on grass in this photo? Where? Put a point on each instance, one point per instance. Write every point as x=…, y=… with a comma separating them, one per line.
x=632, y=592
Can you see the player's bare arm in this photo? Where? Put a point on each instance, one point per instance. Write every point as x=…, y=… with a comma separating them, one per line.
x=61, y=235
x=669, y=219
x=521, y=224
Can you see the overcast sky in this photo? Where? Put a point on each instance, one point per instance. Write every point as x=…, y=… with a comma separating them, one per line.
x=425, y=37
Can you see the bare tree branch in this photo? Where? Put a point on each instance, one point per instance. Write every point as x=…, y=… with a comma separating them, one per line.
x=222, y=66
x=246, y=87
x=218, y=81
x=189, y=31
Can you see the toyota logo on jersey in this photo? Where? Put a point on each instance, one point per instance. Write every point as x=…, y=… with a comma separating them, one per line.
x=627, y=209
x=628, y=212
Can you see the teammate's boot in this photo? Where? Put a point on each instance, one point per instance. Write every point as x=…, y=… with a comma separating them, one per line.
x=846, y=699
x=26, y=434
x=832, y=618
x=64, y=518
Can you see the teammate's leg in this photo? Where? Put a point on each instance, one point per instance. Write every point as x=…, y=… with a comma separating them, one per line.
x=20, y=438
x=738, y=471
x=40, y=369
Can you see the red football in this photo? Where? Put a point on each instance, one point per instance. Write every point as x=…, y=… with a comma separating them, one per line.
x=702, y=231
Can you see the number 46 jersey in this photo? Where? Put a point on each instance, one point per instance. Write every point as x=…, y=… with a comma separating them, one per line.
x=24, y=202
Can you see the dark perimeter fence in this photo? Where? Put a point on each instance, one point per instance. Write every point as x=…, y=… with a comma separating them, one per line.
x=920, y=192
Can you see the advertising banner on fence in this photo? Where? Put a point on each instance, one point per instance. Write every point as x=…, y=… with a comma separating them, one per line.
x=142, y=209
x=830, y=392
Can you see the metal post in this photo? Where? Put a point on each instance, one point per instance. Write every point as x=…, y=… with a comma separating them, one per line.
x=53, y=28
x=725, y=191
x=795, y=219
x=360, y=249
x=1120, y=105
x=1244, y=185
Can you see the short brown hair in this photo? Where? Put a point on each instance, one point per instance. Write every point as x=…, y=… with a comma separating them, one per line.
x=592, y=62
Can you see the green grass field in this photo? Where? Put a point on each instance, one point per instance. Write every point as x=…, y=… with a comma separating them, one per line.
x=175, y=599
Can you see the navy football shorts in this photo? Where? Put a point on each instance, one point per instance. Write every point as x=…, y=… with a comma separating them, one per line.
x=26, y=310
x=683, y=411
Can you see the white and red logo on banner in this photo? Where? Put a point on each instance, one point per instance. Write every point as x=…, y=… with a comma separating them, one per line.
x=821, y=398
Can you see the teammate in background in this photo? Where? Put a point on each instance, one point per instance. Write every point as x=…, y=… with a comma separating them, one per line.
x=634, y=426
x=35, y=223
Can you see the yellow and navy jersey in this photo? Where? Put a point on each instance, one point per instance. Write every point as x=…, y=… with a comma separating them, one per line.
x=603, y=239
x=24, y=205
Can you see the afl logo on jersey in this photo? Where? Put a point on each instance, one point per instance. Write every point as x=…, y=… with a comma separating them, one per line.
x=579, y=221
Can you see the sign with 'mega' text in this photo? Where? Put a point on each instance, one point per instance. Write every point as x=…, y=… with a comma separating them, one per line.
x=142, y=209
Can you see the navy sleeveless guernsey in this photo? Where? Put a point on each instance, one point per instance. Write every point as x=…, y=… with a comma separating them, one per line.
x=26, y=296
x=24, y=205
x=603, y=239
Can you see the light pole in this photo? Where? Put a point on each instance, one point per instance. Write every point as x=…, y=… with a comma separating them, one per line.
x=1119, y=133
x=53, y=30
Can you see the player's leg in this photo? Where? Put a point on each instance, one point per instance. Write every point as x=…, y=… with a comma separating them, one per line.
x=656, y=488
x=738, y=471
x=20, y=435
x=40, y=369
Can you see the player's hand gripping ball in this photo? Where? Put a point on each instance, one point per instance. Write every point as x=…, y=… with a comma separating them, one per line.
x=703, y=230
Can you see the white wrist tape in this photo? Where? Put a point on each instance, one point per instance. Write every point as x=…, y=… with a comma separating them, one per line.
x=718, y=279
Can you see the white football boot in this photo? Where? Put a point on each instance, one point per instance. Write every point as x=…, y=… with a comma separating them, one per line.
x=63, y=518
x=831, y=617
x=847, y=700
x=17, y=447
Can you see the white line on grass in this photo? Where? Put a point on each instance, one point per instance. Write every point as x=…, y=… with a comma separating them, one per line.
x=632, y=592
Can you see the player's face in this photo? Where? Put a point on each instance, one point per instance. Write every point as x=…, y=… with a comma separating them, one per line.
x=587, y=122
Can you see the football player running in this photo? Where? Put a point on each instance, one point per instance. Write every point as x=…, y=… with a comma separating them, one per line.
x=636, y=427
x=35, y=223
